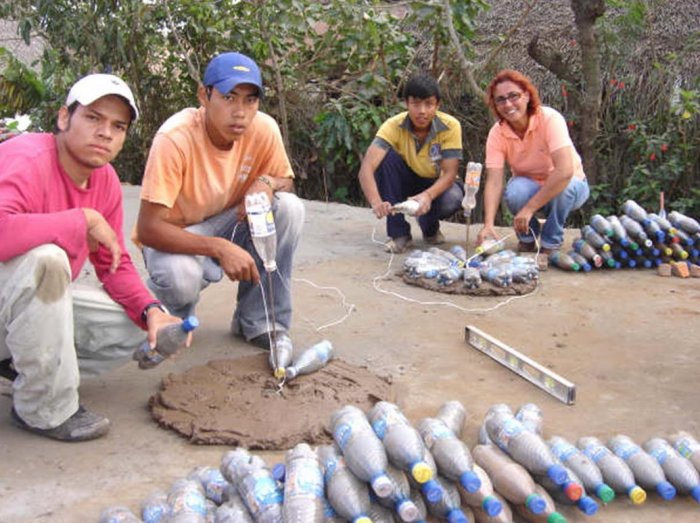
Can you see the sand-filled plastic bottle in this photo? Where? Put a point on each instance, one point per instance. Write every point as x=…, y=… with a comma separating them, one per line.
x=169, y=339
x=400, y=498
x=616, y=472
x=312, y=359
x=635, y=230
x=678, y=470
x=530, y=415
x=504, y=515
x=571, y=493
x=509, y=478
x=448, y=507
x=620, y=233
x=686, y=223
x=186, y=501
x=587, y=251
x=452, y=456
x=594, y=239
x=484, y=499
x=602, y=226
x=583, y=466
x=118, y=514
x=582, y=262
x=687, y=446
x=347, y=494
x=212, y=481
x=499, y=275
x=403, y=444
x=303, y=486
x=646, y=469
x=233, y=510
x=281, y=357
x=430, y=490
x=548, y=515
x=635, y=211
x=380, y=514
x=525, y=447
x=254, y=482
x=364, y=452
x=154, y=508
x=261, y=223
x=453, y=414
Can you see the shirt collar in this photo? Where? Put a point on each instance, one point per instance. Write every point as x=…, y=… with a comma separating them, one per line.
x=436, y=126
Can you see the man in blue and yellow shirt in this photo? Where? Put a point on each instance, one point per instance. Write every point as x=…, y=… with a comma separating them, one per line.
x=415, y=155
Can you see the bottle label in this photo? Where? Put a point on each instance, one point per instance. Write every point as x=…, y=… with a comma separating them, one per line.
x=563, y=451
x=510, y=429
x=265, y=491
x=306, y=479
x=189, y=501
x=379, y=427
x=596, y=452
x=686, y=447
x=660, y=454
x=342, y=435
x=625, y=450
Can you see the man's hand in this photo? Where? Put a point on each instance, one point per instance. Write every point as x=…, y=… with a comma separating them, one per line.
x=101, y=233
x=236, y=262
x=156, y=319
x=424, y=200
x=382, y=209
x=486, y=232
x=521, y=221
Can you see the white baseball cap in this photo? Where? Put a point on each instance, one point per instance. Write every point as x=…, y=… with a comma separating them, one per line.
x=94, y=86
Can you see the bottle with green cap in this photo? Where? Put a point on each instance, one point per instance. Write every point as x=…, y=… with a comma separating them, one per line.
x=586, y=470
x=615, y=471
x=583, y=262
x=347, y=494
x=563, y=261
x=402, y=442
x=679, y=471
x=620, y=233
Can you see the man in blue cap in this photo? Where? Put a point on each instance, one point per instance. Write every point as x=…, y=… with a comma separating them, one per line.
x=192, y=223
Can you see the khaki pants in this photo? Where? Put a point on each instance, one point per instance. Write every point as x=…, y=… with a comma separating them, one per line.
x=56, y=330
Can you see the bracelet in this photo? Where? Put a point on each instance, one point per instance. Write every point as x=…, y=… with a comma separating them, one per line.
x=264, y=179
x=144, y=314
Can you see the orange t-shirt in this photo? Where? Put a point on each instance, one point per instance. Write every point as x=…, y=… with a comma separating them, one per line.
x=187, y=174
x=531, y=156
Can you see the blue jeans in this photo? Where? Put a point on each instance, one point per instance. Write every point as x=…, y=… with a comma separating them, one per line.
x=519, y=191
x=178, y=279
x=396, y=182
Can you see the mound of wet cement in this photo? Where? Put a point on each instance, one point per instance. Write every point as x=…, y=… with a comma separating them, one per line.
x=236, y=402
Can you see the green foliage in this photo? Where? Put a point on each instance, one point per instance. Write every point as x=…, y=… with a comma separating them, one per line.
x=20, y=88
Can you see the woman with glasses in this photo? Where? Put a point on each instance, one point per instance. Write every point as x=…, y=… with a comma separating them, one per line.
x=547, y=174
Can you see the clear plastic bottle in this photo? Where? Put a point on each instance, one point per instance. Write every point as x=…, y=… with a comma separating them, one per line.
x=548, y=515
x=686, y=223
x=472, y=278
x=255, y=484
x=312, y=359
x=281, y=357
x=399, y=500
x=154, y=508
x=450, y=275
x=448, y=507
x=509, y=478
x=212, y=481
x=402, y=442
x=186, y=500
x=580, y=260
x=303, y=486
x=233, y=511
x=169, y=340
x=602, y=225
x=484, y=500
x=523, y=446
x=261, y=223
x=615, y=471
x=635, y=230
x=489, y=246
x=645, y=468
x=594, y=239
x=530, y=415
x=500, y=275
x=586, y=470
x=635, y=211
x=481, y=514
x=620, y=234
x=118, y=515
x=346, y=493
x=452, y=413
x=679, y=471
x=458, y=252
x=687, y=446
x=452, y=456
x=364, y=452
x=472, y=180
x=587, y=251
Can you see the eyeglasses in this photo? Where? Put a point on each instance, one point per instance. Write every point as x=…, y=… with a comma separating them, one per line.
x=510, y=97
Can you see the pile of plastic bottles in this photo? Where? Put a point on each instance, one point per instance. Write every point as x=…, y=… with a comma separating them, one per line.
x=383, y=469
x=491, y=263
x=634, y=239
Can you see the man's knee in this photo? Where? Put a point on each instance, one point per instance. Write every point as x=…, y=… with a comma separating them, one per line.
x=175, y=278
x=290, y=212
x=451, y=200
x=51, y=271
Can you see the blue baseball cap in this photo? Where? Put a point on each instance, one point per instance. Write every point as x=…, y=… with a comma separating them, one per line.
x=228, y=70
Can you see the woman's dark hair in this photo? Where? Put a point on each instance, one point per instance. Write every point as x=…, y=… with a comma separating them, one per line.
x=508, y=75
x=421, y=86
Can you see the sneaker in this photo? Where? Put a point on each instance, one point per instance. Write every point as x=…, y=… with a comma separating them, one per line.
x=81, y=426
x=7, y=369
x=436, y=239
x=263, y=341
x=398, y=245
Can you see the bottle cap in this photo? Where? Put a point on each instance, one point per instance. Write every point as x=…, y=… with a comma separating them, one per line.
x=695, y=493
x=407, y=510
x=190, y=323
x=605, y=493
x=278, y=471
x=456, y=516
x=587, y=505
x=470, y=481
x=382, y=486
x=605, y=247
x=535, y=504
x=555, y=517
x=666, y=490
x=421, y=472
x=573, y=491
x=637, y=495
x=290, y=373
x=280, y=373
x=558, y=474
x=363, y=519
x=492, y=506
x=432, y=491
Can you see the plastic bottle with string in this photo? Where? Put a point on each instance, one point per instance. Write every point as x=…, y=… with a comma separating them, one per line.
x=646, y=469
x=472, y=180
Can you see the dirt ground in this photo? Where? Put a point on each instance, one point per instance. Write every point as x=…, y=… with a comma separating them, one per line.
x=628, y=340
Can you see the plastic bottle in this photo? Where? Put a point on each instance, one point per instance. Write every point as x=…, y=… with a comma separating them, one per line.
x=408, y=207
x=303, y=486
x=489, y=246
x=481, y=514
x=635, y=211
x=450, y=275
x=281, y=357
x=687, y=446
x=645, y=468
x=472, y=179
x=619, y=253
x=580, y=260
x=620, y=234
x=587, y=471
x=587, y=251
x=154, y=508
x=186, y=500
x=453, y=260
x=213, y=482
x=608, y=260
x=452, y=456
x=400, y=499
x=261, y=223
x=458, y=252
x=678, y=470
x=663, y=223
x=329, y=513
x=594, y=239
x=364, y=452
x=419, y=502
x=686, y=223
x=530, y=415
x=602, y=226
x=523, y=446
x=380, y=514
x=484, y=500
x=233, y=510
x=635, y=230
x=684, y=238
x=509, y=478
x=572, y=493
x=452, y=413
x=430, y=490
x=643, y=262
x=472, y=278
x=678, y=252
x=448, y=507
x=500, y=275
x=118, y=515
x=548, y=515
x=653, y=229
x=615, y=471
x=255, y=484
x=312, y=359
x=169, y=339
x=346, y=493
x=403, y=444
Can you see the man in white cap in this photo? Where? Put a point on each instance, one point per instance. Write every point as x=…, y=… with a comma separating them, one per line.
x=61, y=203
x=202, y=164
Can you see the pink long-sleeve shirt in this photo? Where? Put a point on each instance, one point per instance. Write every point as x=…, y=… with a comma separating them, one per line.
x=40, y=204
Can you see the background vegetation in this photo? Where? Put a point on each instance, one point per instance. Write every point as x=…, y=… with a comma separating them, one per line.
x=334, y=71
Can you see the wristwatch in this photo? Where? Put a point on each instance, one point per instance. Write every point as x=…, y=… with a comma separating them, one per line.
x=144, y=314
x=266, y=180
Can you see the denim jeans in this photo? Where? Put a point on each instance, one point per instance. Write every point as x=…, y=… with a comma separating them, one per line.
x=396, y=182
x=178, y=279
x=520, y=189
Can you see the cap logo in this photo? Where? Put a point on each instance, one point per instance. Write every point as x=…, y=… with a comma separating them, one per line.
x=241, y=68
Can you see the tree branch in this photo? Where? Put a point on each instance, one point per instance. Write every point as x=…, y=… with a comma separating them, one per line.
x=466, y=65
x=194, y=71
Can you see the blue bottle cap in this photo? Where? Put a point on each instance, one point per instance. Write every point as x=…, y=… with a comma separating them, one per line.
x=666, y=490
x=279, y=470
x=470, y=481
x=190, y=323
x=695, y=493
x=492, y=506
x=456, y=516
x=432, y=491
x=587, y=505
x=535, y=504
x=558, y=474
